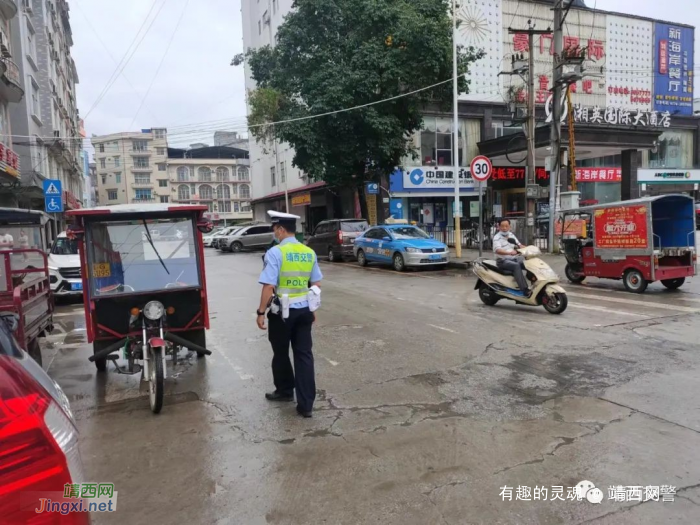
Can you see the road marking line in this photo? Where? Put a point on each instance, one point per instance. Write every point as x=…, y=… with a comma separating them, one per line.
x=68, y=314
x=636, y=303
x=334, y=363
x=443, y=328
x=679, y=296
x=604, y=310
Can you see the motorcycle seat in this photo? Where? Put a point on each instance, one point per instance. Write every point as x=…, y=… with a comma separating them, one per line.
x=492, y=265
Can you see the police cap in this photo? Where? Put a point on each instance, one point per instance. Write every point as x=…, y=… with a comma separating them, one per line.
x=287, y=220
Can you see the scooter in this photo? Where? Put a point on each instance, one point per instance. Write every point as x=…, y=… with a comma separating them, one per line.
x=495, y=284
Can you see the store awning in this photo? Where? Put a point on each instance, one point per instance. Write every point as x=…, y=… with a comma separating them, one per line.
x=280, y=194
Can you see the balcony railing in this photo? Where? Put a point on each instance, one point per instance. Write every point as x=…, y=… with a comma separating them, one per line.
x=8, y=9
x=12, y=72
x=144, y=199
x=137, y=184
x=142, y=168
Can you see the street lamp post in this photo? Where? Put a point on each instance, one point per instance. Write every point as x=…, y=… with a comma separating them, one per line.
x=455, y=131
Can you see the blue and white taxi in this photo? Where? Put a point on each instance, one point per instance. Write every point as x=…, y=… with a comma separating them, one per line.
x=401, y=245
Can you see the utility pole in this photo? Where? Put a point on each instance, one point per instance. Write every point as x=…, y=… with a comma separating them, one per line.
x=455, y=131
x=555, y=132
x=530, y=122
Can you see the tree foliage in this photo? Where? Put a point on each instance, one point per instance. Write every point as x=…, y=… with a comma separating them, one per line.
x=336, y=54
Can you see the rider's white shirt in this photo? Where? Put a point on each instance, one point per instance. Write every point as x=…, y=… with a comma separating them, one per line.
x=500, y=242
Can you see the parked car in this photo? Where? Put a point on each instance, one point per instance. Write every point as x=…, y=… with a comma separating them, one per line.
x=214, y=242
x=401, y=245
x=335, y=238
x=38, y=438
x=64, y=267
x=207, y=239
x=247, y=238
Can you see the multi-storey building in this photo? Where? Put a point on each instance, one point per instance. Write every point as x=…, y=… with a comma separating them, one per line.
x=46, y=123
x=132, y=167
x=11, y=92
x=231, y=139
x=216, y=176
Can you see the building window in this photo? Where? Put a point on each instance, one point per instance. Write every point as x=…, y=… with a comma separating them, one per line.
x=118, y=178
x=244, y=191
x=204, y=174
x=183, y=174
x=141, y=162
x=31, y=43
x=283, y=175
x=117, y=162
x=35, y=102
x=223, y=192
x=221, y=174
x=674, y=150
x=273, y=179
x=162, y=183
x=236, y=207
x=161, y=167
x=112, y=194
x=164, y=199
x=102, y=148
x=104, y=178
x=139, y=145
x=234, y=190
x=160, y=151
x=142, y=194
x=142, y=178
x=183, y=193
x=103, y=163
x=245, y=207
x=243, y=173
x=160, y=134
x=225, y=207
x=205, y=192
x=436, y=141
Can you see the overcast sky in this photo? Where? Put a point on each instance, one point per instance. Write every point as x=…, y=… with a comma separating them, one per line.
x=196, y=84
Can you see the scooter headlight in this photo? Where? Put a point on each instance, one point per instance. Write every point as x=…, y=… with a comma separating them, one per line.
x=153, y=310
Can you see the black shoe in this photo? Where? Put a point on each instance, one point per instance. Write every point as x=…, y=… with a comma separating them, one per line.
x=276, y=396
x=303, y=413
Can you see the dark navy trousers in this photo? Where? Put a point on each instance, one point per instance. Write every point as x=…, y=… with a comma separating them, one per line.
x=296, y=329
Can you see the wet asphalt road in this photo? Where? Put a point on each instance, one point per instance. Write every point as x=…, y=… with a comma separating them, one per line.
x=429, y=402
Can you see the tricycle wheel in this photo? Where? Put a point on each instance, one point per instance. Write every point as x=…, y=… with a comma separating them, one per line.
x=634, y=281
x=100, y=364
x=156, y=383
x=487, y=296
x=573, y=276
x=672, y=284
x=34, y=350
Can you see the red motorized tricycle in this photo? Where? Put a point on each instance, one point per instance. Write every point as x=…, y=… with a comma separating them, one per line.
x=639, y=241
x=145, y=288
x=26, y=303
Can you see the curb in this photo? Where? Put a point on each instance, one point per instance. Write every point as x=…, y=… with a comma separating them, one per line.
x=460, y=265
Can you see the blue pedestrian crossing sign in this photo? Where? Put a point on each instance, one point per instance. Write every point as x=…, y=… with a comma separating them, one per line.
x=53, y=196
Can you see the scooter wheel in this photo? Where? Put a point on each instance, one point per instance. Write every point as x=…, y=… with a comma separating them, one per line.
x=556, y=304
x=487, y=296
x=572, y=276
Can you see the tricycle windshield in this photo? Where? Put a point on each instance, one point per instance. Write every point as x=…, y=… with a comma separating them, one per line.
x=141, y=255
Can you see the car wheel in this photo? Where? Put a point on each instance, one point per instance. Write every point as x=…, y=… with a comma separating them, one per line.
x=398, y=262
x=331, y=255
x=236, y=247
x=634, y=281
x=361, y=258
x=672, y=284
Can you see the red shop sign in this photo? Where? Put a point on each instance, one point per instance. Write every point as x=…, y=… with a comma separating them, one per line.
x=598, y=174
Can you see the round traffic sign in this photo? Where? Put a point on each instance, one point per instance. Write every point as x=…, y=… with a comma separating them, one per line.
x=481, y=168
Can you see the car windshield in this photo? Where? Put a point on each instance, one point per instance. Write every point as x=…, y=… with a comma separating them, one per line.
x=353, y=226
x=137, y=256
x=408, y=232
x=65, y=246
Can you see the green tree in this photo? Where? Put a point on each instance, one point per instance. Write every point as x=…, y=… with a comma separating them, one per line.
x=335, y=54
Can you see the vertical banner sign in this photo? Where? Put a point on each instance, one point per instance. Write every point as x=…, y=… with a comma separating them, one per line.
x=673, y=68
x=624, y=227
x=372, y=209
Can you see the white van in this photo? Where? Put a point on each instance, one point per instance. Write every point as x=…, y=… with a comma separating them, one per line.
x=64, y=267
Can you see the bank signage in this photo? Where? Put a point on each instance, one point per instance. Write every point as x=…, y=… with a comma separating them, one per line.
x=667, y=176
x=435, y=177
x=673, y=68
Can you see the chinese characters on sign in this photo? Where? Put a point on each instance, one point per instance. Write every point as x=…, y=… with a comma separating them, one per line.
x=598, y=174
x=673, y=70
x=624, y=227
x=617, y=493
x=638, y=96
x=621, y=116
x=439, y=177
x=9, y=161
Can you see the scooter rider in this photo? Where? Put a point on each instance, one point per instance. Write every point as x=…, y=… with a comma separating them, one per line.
x=507, y=258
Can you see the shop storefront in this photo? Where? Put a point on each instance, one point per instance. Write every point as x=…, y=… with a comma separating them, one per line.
x=665, y=180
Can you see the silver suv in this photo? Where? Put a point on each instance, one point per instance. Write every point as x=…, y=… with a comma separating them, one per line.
x=248, y=238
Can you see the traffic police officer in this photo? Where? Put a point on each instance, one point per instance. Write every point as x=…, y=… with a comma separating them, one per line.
x=290, y=269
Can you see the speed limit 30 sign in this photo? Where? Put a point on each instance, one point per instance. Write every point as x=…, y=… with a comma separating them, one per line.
x=481, y=168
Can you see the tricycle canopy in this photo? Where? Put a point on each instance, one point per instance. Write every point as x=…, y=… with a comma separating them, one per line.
x=636, y=227
x=23, y=229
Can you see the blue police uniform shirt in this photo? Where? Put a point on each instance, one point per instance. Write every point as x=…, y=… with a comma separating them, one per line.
x=273, y=263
